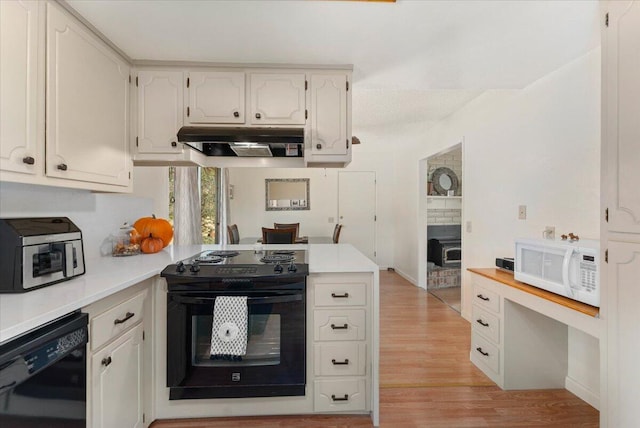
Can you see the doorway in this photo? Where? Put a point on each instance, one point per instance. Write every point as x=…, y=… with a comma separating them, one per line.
x=444, y=226
x=357, y=210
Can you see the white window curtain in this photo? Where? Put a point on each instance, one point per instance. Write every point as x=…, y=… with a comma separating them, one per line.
x=224, y=209
x=187, y=213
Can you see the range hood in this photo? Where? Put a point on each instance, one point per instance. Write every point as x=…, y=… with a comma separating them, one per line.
x=244, y=142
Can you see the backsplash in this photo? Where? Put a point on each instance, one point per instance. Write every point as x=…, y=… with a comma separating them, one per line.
x=96, y=214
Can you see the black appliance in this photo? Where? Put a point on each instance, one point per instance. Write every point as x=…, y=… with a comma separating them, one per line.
x=36, y=252
x=43, y=376
x=505, y=263
x=274, y=283
x=445, y=252
x=244, y=141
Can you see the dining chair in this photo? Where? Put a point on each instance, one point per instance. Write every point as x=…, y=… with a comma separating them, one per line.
x=233, y=234
x=295, y=226
x=278, y=236
x=336, y=233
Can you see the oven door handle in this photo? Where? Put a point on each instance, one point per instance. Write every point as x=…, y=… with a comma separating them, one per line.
x=287, y=298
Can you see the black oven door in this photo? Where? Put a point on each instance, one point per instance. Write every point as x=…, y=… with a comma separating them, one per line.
x=274, y=364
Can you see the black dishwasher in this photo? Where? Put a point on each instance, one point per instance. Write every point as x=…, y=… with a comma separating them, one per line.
x=43, y=376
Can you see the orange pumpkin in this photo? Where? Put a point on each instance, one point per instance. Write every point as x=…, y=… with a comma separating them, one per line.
x=160, y=228
x=151, y=245
x=134, y=236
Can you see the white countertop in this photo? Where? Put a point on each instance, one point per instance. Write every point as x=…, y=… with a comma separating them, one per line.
x=107, y=275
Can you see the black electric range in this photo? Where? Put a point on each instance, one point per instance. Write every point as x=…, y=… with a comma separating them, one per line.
x=230, y=265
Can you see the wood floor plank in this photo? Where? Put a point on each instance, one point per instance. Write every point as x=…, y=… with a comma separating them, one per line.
x=427, y=380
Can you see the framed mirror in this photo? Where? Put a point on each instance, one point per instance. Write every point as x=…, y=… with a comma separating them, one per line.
x=444, y=179
x=283, y=194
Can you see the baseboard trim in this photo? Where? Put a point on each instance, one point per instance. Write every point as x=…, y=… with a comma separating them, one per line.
x=582, y=392
x=407, y=277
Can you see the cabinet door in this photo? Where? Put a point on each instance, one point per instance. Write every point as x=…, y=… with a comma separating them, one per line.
x=329, y=114
x=278, y=99
x=87, y=105
x=160, y=105
x=21, y=137
x=623, y=279
x=116, y=393
x=215, y=97
x=621, y=104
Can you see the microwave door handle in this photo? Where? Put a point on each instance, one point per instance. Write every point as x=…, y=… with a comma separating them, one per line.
x=68, y=259
x=565, y=272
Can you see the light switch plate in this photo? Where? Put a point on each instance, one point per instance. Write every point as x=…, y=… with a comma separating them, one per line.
x=522, y=212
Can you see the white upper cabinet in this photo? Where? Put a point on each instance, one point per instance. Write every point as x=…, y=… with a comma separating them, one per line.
x=330, y=132
x=87, y=105
x=160, y=99
x=621, y=104
x=215, y=97
x=278, y=99
x=21, y=80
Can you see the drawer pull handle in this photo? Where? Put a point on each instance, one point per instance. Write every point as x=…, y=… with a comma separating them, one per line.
x=340, y=327
x=479, y=349
x=340, y=363
x=106, y=361
x=345, y=398
x=126, y=318
x=481, y=297
x=339, y=296
x=482, y=323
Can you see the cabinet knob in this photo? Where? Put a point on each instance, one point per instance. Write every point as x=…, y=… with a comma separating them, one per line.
x=258, y=115
x=236, y=114
x=62, y=167
x=174, y=144
x=28, y=160
x=319, y=146
x=106, y=361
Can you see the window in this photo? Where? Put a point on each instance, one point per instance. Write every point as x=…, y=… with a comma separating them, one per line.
x=209, y=182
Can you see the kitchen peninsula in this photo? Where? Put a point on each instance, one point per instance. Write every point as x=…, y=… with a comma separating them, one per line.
x=132, y=285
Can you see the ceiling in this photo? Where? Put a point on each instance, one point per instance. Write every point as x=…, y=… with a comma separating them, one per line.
x=424, y=59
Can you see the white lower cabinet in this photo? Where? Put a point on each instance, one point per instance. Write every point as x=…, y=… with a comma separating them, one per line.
x=116, y=382
x=117, y=373
x=341, y=325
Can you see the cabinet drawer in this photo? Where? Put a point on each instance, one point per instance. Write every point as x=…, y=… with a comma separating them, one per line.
x=340, y=295
x=347, y=324
x=485, y=351
x=339, y=395
x=116, y=320
x=340, y=359
x=486, y=323
x=486, y=299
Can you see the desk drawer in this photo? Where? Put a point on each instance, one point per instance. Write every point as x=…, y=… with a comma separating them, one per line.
x=486, y=298
x=340, y=295
x=340, y=395
x=485, y=351
x=486, y=323
x=340, y=359
x=339, y=324
x=116, y=320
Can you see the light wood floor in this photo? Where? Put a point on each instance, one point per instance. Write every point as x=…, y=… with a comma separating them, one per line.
x=427, y=380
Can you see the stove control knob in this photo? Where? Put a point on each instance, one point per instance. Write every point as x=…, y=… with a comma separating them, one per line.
x=278, y=268
x=180, y=268
x=195, y=268
x=292, y=267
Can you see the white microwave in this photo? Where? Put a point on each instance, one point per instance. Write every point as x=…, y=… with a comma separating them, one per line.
x=566, y=268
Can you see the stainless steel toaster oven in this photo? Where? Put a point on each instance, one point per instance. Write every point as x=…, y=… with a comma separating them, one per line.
x=36, y=252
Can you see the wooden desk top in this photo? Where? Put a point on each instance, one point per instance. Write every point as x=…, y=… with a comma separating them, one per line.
x=507, y=279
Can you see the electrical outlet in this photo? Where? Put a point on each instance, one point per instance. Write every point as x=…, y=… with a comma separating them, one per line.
x=549, y=232
x=469, y=227
x=522, y=212
x=332, y=220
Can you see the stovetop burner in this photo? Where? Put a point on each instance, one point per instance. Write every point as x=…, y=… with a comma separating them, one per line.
x=277, y=258
x=224, y=253
x=209, y=258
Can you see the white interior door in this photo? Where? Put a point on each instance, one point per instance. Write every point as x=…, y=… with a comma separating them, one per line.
x=357, y=210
